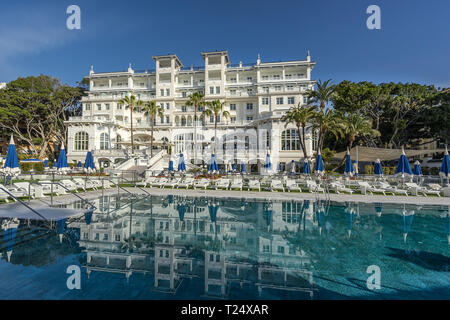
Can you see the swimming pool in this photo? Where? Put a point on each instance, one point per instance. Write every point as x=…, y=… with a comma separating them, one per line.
x=178, y=247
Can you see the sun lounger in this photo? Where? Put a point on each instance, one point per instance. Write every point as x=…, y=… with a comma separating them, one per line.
x=291, y=185
x=69, y=184
x=85, y=184
x=201, y=183
x=365, y=187
x=146, y=182
x=392, y=189
x=338, y=187
x=223, y=183
x=160, y=182
x=35, y=191
x=276, y=185
x=254, y=184
x=435, y=186
x=236, y=184
x=314, y=187
x=186, y=183
x=416, y=189
x=171, y=183
x=16, y=193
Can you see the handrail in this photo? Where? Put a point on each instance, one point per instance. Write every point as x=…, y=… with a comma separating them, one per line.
x=23, y=203
x=135, y=186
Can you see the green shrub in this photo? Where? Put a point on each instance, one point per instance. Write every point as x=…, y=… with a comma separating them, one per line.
x=38, y=166
x=25, y=166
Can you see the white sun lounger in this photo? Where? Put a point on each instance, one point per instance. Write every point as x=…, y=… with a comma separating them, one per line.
x=392, y=189
x=276, y=185
x=365, y=187
x=69, y=184
x=186, y=183
x=171, y=183
x=236, y=184
x=338, y=187
x=223, y=183
x=201, y=183
x=416, y=189
x=146, y=182
x=36, y=191
x=314, y=187
x=161, y=182
x=291, y=185
x=254, y=184
x=85, y=184
x=15, y=192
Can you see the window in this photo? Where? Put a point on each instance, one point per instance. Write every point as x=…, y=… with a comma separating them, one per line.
x=211, y=119
x=280, y=100
x=305, y=100
x=232, y=79
x=265, y=101
x=119, y=106
x=183, y=108
x=162, y=92
x=267, y=139
x=104, y=141
x=315, y=140
x=117, y=237
x=99, y=106
x=107, y=106
x=289, y=87
x=290, y=140
x=277, y=88
x=217, y=90
x=167, y=119
x=232, y=119
x=81, y=141
x=88, y=107
x=249, y=106
x=118, y=140
x=276, y=77
x=266, y=89
x=232, y=106
x=105, y=237
x=249, y=79
x=167, y=92
x=249, y=118
x=265, y=77
x=167, y=105
x=183, y=94
x=249, y=92
x=291, y=100
x=233, y=92
x=211, y=90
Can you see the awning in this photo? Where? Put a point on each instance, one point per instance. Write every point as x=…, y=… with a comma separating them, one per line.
x=366, y=154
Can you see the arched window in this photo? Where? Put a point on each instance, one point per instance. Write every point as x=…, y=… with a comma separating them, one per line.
x=290, y=140
x=118, y=141
x=81, y=141
x=104, y=141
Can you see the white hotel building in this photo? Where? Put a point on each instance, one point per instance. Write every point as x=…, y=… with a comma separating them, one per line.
x=256, y=96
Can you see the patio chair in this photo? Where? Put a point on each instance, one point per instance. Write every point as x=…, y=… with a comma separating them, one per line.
x=146, y=182
x=435, y=186
x=201, y=183
x=254, y=184
x=276, y=185
x=223, y=183
x=236, y=184
x=69, y=184
x=46, y=186
x=85, y=184
x=416, y=189
x=186, y=183
x=392, y=189
x=339, y=187
x=171, y=183
x=291, y=185
x=365, y=187
x=15, y=192
x=314, y=187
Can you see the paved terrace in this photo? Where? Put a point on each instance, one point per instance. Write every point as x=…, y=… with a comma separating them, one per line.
x=252, y=195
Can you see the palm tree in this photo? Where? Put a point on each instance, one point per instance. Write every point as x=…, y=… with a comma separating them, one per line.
x=151, y=109
x=326, y=121
x=130, y=102
x=215, y=108
x=196, y=100
x=355, y=125
x=323, y=94
x=300, y=116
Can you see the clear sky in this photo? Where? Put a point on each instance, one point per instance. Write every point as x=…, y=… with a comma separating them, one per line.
x=413, y=44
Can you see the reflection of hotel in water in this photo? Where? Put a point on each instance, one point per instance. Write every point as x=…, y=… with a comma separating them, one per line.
x=187, y=238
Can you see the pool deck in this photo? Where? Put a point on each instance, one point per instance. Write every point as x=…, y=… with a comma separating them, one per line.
x=262, y=195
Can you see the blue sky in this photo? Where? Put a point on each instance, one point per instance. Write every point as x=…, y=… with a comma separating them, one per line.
x=413, y=44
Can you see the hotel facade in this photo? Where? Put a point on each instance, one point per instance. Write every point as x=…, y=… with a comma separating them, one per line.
x=255, y=95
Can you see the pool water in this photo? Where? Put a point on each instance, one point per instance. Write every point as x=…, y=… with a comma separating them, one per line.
x=177, y=247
